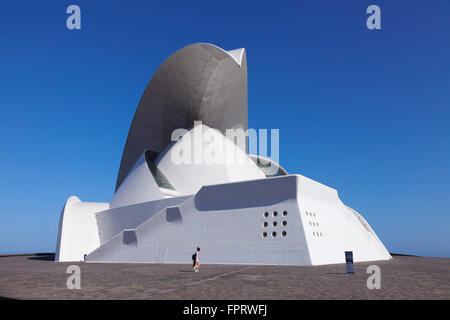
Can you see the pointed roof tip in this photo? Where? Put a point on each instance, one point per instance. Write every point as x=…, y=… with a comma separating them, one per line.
x=237, y=55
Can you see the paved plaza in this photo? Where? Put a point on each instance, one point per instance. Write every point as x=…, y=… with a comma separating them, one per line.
x=404, y=277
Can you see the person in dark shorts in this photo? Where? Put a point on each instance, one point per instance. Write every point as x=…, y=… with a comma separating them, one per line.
x=195, y=261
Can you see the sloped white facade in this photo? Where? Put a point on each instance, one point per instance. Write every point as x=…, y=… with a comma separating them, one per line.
x=162, y=209
x=223, y=167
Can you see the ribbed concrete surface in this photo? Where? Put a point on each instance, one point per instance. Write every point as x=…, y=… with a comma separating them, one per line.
x=37, y=277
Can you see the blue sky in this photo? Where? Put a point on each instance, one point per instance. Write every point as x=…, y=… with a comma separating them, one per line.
x=364, y=111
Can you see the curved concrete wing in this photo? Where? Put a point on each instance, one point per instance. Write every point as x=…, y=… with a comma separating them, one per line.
x=198, y=82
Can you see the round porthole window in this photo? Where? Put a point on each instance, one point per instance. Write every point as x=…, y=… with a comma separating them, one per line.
x=265, y=224
x=274, y=234
x=284, y=233
x=284, y=213
x=266, y=214
x=264, y=234
x=284, y=223
x=274, y=223
x=275, y=213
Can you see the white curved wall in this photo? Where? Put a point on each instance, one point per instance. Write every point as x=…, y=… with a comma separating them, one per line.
x=311, y=227
x=139, y=186
x=78, y=232
x=213, y=160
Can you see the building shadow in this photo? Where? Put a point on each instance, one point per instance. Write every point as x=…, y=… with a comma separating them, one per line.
x=43, y=257
x=4, y=298
x=402, y=255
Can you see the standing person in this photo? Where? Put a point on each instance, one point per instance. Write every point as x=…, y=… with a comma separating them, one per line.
x=195, y=261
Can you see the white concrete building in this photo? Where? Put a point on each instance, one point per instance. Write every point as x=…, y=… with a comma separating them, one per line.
x=236, y=212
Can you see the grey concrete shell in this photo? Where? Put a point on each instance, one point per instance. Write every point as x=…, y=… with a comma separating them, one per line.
x=198, y=82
